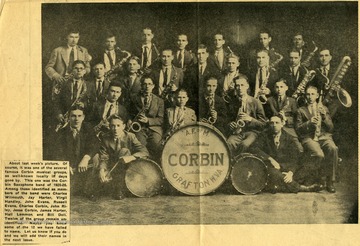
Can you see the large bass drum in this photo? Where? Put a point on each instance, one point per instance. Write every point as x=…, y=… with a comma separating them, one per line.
x=144, y=178
x=249, y=174
x=195, y=159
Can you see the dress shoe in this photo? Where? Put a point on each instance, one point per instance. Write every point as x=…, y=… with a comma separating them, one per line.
x=310, y=188
x=330, y=186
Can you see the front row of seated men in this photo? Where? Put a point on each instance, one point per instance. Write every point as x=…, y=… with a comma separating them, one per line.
x=243, y=121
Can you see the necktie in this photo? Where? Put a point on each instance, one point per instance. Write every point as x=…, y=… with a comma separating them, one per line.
x=146, y=102
x=74, y=132
x=277, y=141
x=165, y=77
x=117, y=145
x=145, y=55
x=75, y=90
x=180, y=58
x=324, y=72
x=293, y=72
x=71, y=60
x=279, y=101
x=218, y=59
x=99, y=89
x=201, y=70
x=110, y=58
x=261, y=76
x=109, y=111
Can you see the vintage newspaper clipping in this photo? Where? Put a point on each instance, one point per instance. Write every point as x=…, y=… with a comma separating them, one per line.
x=194, y=189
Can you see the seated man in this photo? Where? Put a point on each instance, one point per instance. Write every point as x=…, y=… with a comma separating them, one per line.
x=314, y=128
x=248, y=118
x=147, y=112
x=106, y=107
x=180, y=115
x=212, y=108
x=280, y=103
x=77, y=143
x=118, y=148
x=278, y=150
x=72, y=91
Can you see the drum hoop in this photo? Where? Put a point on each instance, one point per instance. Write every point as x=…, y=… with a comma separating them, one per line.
x=243, y=155
x=162, y=177
x=219, y=134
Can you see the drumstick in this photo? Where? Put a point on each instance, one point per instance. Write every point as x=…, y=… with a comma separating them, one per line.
x=117, y=163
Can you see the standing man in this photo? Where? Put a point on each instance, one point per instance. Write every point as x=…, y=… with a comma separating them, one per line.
x=149, y=53
x=324, y=71
x=293, y=72
x=248, y=110
x=77, y=143
x=314, y=127
x=183, y=58
x=148, y=110
x=305, y=53
x=118, y=147
x=62, y=58
x=218, y=57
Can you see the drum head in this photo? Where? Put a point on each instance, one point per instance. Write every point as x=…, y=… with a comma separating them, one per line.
x=196, y=159
x=249, y=174
x=144, y=178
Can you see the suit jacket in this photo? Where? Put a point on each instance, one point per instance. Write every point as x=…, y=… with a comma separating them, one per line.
x=254, y=109
x=59, y=59
x=291, y=80
x=288, y=105
x=129, y=89
x=222, y=113
x=305, y=129
x=155, y=113
x=63, y=100
x=221, y=81
x=130, y=145
x=171, y=119
x=92, y=96
x=286, y=155
x=273, y=77
x=98, y=111
x=189, y=59
x=212, y=59
x=176, y=76
x=119, y=55
x=321, y=80
x=71, y=150
x=154, y=56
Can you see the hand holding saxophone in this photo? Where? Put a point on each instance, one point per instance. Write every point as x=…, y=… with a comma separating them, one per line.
x=244, y=117
x=142, y=118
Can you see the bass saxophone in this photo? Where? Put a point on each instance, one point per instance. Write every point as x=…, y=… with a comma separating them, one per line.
x=334, y=87
x=307, y=60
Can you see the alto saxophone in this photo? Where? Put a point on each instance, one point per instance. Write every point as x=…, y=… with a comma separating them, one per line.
x=136, y=125
x=210, y=120
x=240, y=124
x=334, y=86
x=300, y=90
x=277, y=61
x=306, y=61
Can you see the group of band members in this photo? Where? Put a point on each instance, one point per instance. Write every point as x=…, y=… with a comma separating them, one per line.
x=128, y=104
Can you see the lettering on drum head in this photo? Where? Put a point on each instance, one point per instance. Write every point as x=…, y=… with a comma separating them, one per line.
x=195, y=160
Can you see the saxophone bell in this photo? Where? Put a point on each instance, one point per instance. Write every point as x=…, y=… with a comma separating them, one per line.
x=135, y=127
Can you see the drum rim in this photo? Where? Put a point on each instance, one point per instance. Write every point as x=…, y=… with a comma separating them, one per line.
x=219, y=134
x=147, y=160
x=236, y=159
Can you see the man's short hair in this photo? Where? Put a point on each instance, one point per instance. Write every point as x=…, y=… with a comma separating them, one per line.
x=137, y=59
x=232, y=55
x=116, y=117
x=298, y=34
x=181, y=90
x=78, y=62
x=219, y=33
x=147, y=76
x=78, y=106
x=311, y=86
x=325, y=48
x=265, y=31
x=71, y=29
x=148, y=28
x=167, y=49
x=202, y=46
x=241, y=77
x=281, y=81
x=262, y=50
x=280, y=116
x=109, y=35
x=98, y=62
x=294, y=50
x=115, y=84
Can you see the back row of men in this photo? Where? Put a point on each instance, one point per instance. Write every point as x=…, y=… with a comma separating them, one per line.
x=155, y=95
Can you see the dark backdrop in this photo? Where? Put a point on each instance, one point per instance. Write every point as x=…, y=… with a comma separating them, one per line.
x=332, y=24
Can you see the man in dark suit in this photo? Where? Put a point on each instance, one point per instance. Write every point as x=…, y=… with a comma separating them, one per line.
x=306, y=53
x=148, y=53
x=77, y=143
x=218, y=56
x=112, y=57
x=148, y=110
x=97, y=87
x=105, y=107
x=167, y=78
x=62, y=58
x=130, y=81
x=70, y=92
x=183, y=58
x=213, y=107
x=263, y=78
x=314, y=128
x=118, y=147
x=280, y=103
x=250, y=112
x=278, y=150
x=324, y=71
x=293, y=72
x=194, y=77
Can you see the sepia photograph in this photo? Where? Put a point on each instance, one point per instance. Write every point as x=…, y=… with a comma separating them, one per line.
x=203, y=113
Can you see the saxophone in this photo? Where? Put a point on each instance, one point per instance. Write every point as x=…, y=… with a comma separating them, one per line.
x=259, y=93
x=319, y=111
x=136, y=125
x=306, y=61
x=210, y=120
x=300, y=90
x=334, y=86
x=173, y=128
x=168, y=88
x=277, y=61
x=119, y=64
